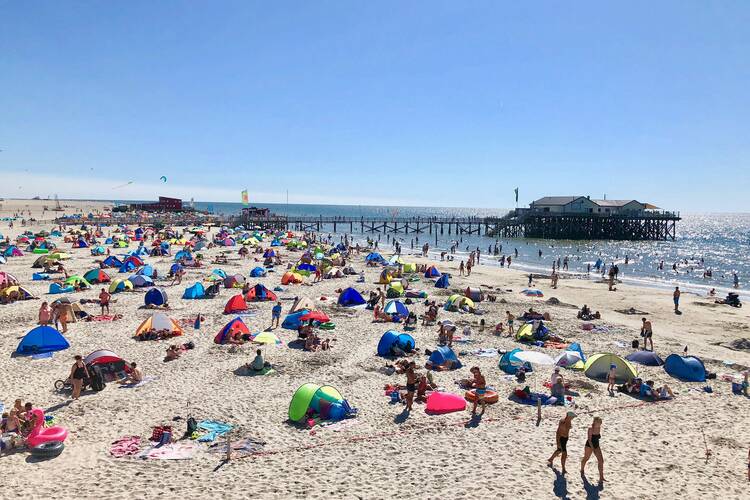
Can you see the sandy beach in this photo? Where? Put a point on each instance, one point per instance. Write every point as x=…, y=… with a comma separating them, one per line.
x=651, y=449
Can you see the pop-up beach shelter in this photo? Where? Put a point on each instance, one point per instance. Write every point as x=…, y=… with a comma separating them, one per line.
x=292, y=320
x=443, y=354
x=159, y=321
x=156, y=297
x=235, y=305
x=97, y=276
x=509, y=362
x=260, y=293
x=391, y=339
x=350, y=298
x=688, y=368
x=597, y=367
x=396, y=307
x=323, y=400
x=40, y=340
x=235, y=325
x=647, y=358
x=432, y=272
x=442, y=282
x=194, y=292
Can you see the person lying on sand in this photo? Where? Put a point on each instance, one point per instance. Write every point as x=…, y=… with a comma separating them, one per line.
x=173, y=352
x=135, y=375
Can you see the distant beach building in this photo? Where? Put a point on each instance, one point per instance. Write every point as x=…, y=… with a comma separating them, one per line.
x=585, y=205
x=163, y=205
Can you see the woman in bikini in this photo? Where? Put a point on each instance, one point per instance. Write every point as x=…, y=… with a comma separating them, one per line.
x=592, y=446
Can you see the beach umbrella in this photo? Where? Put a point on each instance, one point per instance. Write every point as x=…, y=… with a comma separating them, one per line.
x=396, y=307
x=535, y=358
x=268, y=338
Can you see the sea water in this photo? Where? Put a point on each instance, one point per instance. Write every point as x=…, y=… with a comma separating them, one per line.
x=722, y=241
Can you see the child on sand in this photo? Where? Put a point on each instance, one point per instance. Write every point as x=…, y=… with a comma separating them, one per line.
x=611, y=378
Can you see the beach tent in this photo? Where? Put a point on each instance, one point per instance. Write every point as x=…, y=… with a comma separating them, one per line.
x=323, y=400
x=156, y=297
x=570, y=360
x=439, y=403
x=576, y=347
x=374, y=257
x=525, y=333
x=292, y=320
x=220, y=273
x=532, y=292
x=55, y=288
x=395, y=289
x=137, y=261
x=13, y=251
x=432, y=272
x=301, y=303
x=396, y=307
x=111, y=366
x=112, y=261
x=258, y=272
x=456, y=302
x=597, y=367
x=260, y=293
x=97, y=276
x=127, y=266
x=19, y=292
x=443, y=354
x=268, y=338
x=120, y=285
x=194, y=292
x=39, y=276
x=442, y=282
x=159, y=321
x=183, y=254
x=234, y=281
x=307, y=269
x=510, y=363
x=40, y=340
x=175, y=268
x=350, y=298
x=318, y=316
x=146, y=270
x=688, y=368
x=409, y=268
x=234, y=326
x=334, y=272
x=391, y=339
x=7, y=279
x=648, y=358
x=40, y=261
x=385, y=277
x=291, y=278
x=78, y=280
x=473, y=293
x=140, y=281
x=269, y=253
x=98, y=250
x=235, y=305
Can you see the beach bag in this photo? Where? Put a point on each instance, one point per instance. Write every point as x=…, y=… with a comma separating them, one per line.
x=635, y=344
x=192, y=426
x=159, y=431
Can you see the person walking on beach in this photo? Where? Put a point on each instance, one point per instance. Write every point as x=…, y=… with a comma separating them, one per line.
x=561, y=440
x=509, y=318
x=276, y=315
x=78, y=372
x=647, y=334
x=592, y=446
x=461, y=268
x=468, y=267
x=676, y=299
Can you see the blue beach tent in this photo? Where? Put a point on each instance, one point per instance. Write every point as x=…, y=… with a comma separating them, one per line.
x=391, y=339
x=40, y=340
x=156, y=297
x=688, y=368
x=194, y=292
x=442, y=282
x=350, y=298
x=443, y=354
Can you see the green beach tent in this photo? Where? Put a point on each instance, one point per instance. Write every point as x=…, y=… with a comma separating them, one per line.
x=309, y=396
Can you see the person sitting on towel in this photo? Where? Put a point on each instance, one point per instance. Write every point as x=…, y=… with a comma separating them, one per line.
x=257, y=364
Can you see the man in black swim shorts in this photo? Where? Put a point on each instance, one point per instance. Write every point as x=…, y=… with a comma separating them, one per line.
x=561, y=438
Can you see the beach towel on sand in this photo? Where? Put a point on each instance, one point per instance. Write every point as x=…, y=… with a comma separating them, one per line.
x=214, y=428
x=133, y=385
x=126, y=446
x=182, y=450
x=240, y=448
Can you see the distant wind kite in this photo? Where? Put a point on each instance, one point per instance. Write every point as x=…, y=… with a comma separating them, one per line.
x=123, y=185
x=163, y=178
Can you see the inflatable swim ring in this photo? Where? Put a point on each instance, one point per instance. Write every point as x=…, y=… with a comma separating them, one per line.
x=327, y=326
x=490, y=397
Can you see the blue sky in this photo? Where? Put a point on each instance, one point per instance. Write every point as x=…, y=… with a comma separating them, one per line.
x=405, y=103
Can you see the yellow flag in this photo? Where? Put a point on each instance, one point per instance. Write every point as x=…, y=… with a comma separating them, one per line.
x=244, y=197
